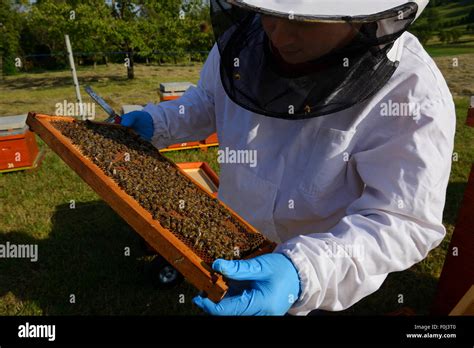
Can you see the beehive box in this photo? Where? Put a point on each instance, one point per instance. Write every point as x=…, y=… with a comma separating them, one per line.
x=470, y=117
x=174, y=214
x=470, y=114
x=173, y=90
x=18, y=148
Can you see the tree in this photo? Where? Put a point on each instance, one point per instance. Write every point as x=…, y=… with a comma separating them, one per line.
x=433, y=17
x=450, y=36
x=444, y=36
x=176, y=27
x=90, y=27
x=455, y=35
x=470, y=29
x=49, y=20
x=138, y=28
x=126, y=30
x=424, y=33
x=10, y=27
x=470, y=16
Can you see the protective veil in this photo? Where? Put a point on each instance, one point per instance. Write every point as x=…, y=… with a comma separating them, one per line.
x=253, y=79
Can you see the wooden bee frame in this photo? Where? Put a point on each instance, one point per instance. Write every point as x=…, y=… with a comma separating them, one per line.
x=163, y=241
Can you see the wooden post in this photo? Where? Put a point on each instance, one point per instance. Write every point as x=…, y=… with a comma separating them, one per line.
x=74, y=75
x=130, y=66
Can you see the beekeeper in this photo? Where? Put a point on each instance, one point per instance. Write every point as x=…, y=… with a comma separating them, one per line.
x=353, y=127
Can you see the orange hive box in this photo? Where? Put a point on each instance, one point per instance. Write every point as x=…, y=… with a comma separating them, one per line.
x=470, y=117
x=470, y=114
x=176, y=251
x=18, y=147
x=173, y=91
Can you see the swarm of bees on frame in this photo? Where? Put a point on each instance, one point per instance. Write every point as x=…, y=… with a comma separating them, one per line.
x=158, y=186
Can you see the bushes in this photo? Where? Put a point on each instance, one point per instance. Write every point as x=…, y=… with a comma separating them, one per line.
x=144, y=30
x=9, y=37
x=423, y=32
x=450, y=36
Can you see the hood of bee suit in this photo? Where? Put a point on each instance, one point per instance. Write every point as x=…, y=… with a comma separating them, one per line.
x=255, y=76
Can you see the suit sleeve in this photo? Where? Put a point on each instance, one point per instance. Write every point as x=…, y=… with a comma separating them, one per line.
x=395, y=222
x=192, y=116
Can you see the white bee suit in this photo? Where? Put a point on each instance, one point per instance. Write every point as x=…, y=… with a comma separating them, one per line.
x=351, y=196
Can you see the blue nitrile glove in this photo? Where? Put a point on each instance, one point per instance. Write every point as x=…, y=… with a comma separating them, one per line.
x=272, y=286
x=141, y=122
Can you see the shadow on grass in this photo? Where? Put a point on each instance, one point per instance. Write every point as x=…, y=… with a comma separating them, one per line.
x=58, y=81
x=85, y=256
x=416, y=291
x=454, y=196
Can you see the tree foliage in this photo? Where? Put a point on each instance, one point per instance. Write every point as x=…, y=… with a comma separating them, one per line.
x=424, y=32
x=127, y=30
x=10, y=28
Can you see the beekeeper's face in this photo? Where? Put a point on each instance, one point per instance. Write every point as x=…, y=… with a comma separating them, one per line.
x=299, y=42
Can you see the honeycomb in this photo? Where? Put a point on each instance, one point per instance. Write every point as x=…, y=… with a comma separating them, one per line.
x=171, y=198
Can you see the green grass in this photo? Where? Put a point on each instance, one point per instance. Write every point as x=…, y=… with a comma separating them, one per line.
x=442, y=50
x=81, y=251
x=41, y=92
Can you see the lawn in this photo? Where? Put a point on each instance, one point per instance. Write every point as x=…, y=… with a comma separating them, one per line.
x=443, y=50
x=81, y=250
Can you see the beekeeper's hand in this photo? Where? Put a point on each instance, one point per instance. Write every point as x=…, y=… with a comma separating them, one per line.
x=272, y=287
x=141, y=122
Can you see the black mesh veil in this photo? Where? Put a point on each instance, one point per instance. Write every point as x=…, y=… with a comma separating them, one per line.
x=252, y=77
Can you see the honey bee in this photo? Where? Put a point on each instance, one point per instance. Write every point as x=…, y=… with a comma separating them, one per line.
x=158, y=186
